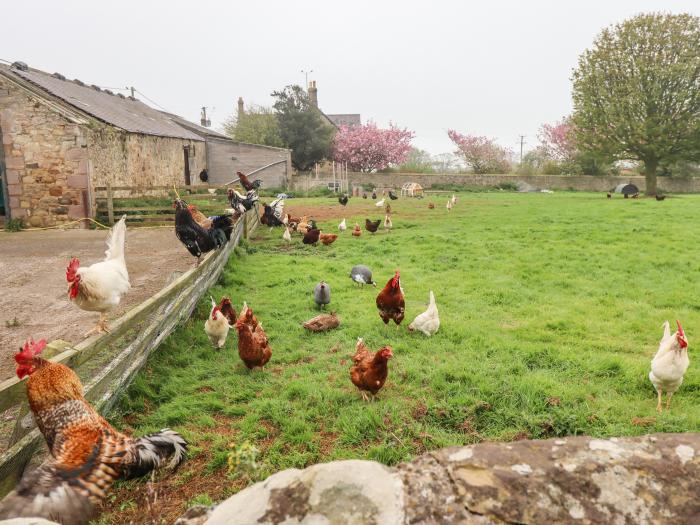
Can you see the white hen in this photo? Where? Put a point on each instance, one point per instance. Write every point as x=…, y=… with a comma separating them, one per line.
x=429, y=321
x=669, y=364
x=216, y=326
x=379, y=204
x=99, y=287
x=342, y=226
x=286, y=235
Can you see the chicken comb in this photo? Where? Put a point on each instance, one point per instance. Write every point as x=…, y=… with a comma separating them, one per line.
x=680, y=329
x=72, y=269
x=30, y=349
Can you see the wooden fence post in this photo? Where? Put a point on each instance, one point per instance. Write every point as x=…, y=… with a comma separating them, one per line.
x=110, y=204
x=245, y=225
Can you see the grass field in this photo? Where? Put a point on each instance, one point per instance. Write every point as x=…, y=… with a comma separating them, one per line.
x=551, y=309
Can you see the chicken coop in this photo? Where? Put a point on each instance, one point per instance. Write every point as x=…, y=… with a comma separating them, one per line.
x=411, y=189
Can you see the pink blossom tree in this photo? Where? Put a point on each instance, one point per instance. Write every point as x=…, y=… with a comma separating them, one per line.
x=369, y=148
x=558, y=141
x=481, y=154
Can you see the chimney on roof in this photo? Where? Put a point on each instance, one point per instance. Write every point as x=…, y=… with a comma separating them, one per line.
x=313, y=93
x=203, y=119
x=241, y=109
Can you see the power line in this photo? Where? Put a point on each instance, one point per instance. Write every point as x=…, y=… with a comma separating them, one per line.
x=151, y=100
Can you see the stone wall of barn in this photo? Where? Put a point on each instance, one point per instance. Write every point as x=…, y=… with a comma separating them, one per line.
x=130, y=159
x=45, y=158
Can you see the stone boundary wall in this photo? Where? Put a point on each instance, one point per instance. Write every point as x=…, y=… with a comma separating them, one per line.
x=641, y=480
x=554, y=182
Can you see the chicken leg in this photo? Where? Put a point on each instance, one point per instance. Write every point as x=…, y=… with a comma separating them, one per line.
x=100, y=327
x=659, y=407
x=669, y=395
x=364, y=395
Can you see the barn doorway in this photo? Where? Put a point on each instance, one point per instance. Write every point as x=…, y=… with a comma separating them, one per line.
x=4, y=206
x=188, y=180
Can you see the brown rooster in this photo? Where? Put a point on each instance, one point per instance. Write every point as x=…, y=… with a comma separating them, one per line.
x=322, y=322
x=88, y=454
x=390, y=301
x=356, y=232
x=369, y=372
x=372, y=226
x=311, y=236
x=253, y=346
x=245, y=182
x=328, y=238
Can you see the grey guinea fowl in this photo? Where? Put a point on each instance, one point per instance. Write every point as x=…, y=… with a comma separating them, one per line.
x=322, y=294
x=362, y=275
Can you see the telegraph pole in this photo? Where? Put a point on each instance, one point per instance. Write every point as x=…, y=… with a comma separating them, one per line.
x=522, y=141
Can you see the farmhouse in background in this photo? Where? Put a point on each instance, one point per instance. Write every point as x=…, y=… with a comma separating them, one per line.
x=336, y=120
x=63, y=138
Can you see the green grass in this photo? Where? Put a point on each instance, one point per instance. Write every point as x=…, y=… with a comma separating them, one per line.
x=551, y=309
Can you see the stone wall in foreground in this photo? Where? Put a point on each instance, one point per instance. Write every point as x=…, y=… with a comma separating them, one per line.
x=627, y=481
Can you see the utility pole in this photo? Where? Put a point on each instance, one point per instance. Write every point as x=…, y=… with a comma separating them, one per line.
x=306, y=77
x=522, y=141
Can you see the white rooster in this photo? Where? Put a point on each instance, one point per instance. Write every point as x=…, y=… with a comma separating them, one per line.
x=216, y=326
x=669, y=364
x=429, y=321
x=99, y=287
x=342, y=226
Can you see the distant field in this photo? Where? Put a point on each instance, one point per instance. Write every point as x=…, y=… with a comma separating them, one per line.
x=551, y=309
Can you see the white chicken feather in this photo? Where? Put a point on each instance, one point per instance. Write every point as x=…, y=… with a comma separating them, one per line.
x=216, y=326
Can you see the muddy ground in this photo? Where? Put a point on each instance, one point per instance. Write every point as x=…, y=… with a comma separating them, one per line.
x=34, y=300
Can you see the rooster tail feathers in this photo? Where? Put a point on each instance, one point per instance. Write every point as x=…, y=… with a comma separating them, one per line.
x=153, y=451
x=432, y=298
x=115, y=241
x=667, y=329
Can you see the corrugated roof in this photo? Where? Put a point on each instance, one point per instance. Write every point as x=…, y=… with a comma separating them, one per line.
x=130, y=115
x=196, y=128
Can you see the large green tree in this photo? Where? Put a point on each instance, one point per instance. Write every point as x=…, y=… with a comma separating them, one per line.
x=256, y=125
x=302, y=127
x=636, y=93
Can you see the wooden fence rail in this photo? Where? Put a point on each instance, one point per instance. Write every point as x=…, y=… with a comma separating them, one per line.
x=106, y=364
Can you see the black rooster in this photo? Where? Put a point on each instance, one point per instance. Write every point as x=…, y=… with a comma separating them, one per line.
x=343, y=199
x=271, y=214
x=242, y=203
x=392, y=195
x=196, y=239
x=660, y=197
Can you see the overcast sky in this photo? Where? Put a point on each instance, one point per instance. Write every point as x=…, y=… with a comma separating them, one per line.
x=498, y=68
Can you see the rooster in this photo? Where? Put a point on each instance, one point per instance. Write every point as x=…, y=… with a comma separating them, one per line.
x=99, y=287
x=669, y=364
x=273, y=214
x=242, y=203
x=372, y=226
x=390, y=301
x=392, y=195
x=88, y=454
x=388, y=225
x=342, y=226
x=429, y=321
x=245, y=182
x=369, y=372
x=343, y=199
x=216, y=326
x=659, y=197
x=196, y=239
x=201, y=219
x=253, y=345
x=287, y=236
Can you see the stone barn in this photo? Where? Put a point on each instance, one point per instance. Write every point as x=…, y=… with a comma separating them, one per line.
x=62, y=138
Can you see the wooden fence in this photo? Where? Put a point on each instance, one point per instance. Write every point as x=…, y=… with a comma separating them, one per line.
x=106, y=364
x=152, y=206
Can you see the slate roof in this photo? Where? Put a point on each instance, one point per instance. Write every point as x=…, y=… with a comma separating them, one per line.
x=123, y=112
x=346, y=119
